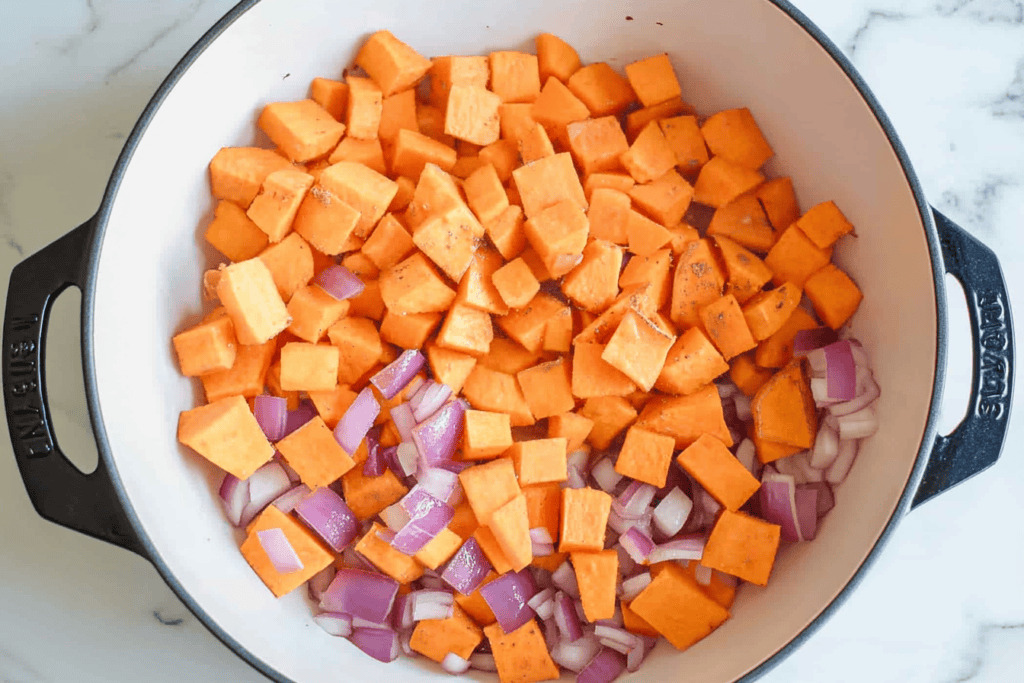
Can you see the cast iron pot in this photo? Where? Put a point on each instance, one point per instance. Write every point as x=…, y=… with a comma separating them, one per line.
x=139, y=262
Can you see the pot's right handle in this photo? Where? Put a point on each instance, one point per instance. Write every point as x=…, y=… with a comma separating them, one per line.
x=976, y=442
x=59, y=491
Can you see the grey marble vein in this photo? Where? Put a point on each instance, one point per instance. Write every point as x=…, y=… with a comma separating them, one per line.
x=871, y=20
x=1002, y=11
x=92, y=25
x=1012, y=102
x=980, y=646
x=14, y=669
x=974, y=209
x=160, y=34
x=6, y=223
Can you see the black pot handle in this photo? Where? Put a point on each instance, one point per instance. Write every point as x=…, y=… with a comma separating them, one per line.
x=976, y=442
x=59, y=491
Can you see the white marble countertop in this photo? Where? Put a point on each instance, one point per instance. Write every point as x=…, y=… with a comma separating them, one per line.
x=944, y=604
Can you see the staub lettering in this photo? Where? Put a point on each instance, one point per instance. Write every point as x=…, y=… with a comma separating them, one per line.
x=993, y=364
x=27, y=415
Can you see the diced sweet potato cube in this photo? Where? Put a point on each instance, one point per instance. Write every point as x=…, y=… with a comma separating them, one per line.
x=779, y=201
x=686, y=141
x=682, y=235
x=508, y=356
x=547, y=182
x=406, y=189
x=309, y=367
x=686, y=418
x=515, y=76
x=290, y=263
x=649, y=157
x=311, y=552
x=645, y=237
x=645, y=456
x=743, y=220
x=331, y=405
x=574, y=428
x=556, y=107
x=746, y=375
x=408, y=330
x=236, y=173
x=515, y=283
x=653, y=80
x=369, y=304
x=609, y=180
x=475, y=605
x=676, y=607
x=770, y=451
x=528, y=325
x=448, y=240
x=467, y=330
x=450, y=367
x=592, y=376
x=721, y=181
x=314, y=454
x=692, y=362
x=233, y=234
x=733, y=134
x=413, y=286
x=544, y=504
x=492, y=549
x=207, y=347
x=777, y=350
x=835, y=296
x=485, y=194
x=360, y=265
x=392, y=64
x=743, y=546
x=521, y=656
x=783, y=409
x=331, y=95
x=488, y=389
x=503, y=155
x=359, y=347
x=380, y=554
x=609, y=215
x=246, y=375
x=226, y=433
x=558, y=234
x=637, y=120
x=547, y=389
x=511, y=528
x=472, y=114
x=556, y=58
x=603, y=90
x=452, y=70
x=274, y=208
x=313, y=310
x=610, y=415
x=369, y=495
x=558, y=332
x=436, y=192
x=430, y=120
x=488, y=486
x=506, y=231
x=726, y=326
x=485, y=434
x=665, y=199
x=636, y=297
x=717, y=470
x=435, y=638
x=398, y=112
x=747, y=274
x=476, y=288
x=654, y=269
x=767, y=312
x=794, y=258
x=413, y=151
x=597, y=144
x=362, y=188
x=632, y=622
x=593, y=284
x=247, y=291
x=597, y=575
x=638, y=349
x=303, y=130
x=364, y=108
x=464, y=522
x=389, y=243
x=325, y=220
x=535, y=144
x=370, y=153
x=698, y=281
x=439, y=550
x=584, y=517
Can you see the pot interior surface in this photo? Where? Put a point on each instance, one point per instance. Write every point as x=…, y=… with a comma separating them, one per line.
x=727, y=54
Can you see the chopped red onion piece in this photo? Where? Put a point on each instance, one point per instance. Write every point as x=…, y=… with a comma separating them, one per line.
x=809, y=474
x=287, y=501
x=819, y=392
x=566, y=618
x=401, y=415
x=541, y=534
x=398, y=373
x=826, y=448
x=362, y=594
x=454, y=664
x=380, y=643
x=298, y=417
x=507, y=596
x=271, y=413
x=632, y=587
x=683, y=548
x=841, y=371
x=825, y=501
x=816, y=364
x=429, y=399
x=580, y=459
x=576, y=655
x=467, y=568
x=702, y=575
x=432, y=582
x=805, y=340
x=543, y=603
x=386, y=535
x=335, y=623
x=394, y=516
x=638, y=544
x=265, y=485
x=858, y=425
x=357, y=420
x=726, y=389
x=836, y=474
x=605, y=475
x=340, y=282
x=605, y=667
x=437, y=438
x=778, y=503
x=405, y=642
x=319, y=582
x=626, y=564
x=407, y=457
x=742, y=403
x=428, y=516
x=432, y=604
x=564, y=578
x=542, y=549
x=279, y=551
x=483, y=661
x=633, y=502
x=635, y=657
x=327, y=513
x=670, y=514
x=807, y=512
x=863, y=399
x=234, y=493
x=790, y=465
x=374, y=464
x=438, y=482
x=618, y=639
x=746, y=453
x=402, y=612
x=411, y=539
x=358, y=622
x=575, y=478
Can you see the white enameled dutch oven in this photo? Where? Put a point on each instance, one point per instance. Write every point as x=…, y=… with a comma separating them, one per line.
x=140, y=259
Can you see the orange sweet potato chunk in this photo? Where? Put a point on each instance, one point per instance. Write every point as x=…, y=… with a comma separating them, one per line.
x=593, y=376
x=515, y=283
x=794, y=257
x=488, y=486
x=331, y=95
x=226, y=433
x=547, y=182
x=380, y=554
x=325, y=221
x=539, y=461
x=555, y=108
x=778, y=198
x=543, y=506
x=609, y=415
x=439, y=550
x=233, y=234
x=515, y=76
x=247, y=291
x=686, y=418
x=645, y=456
x=275, y=207
x=303, y=130
x=521, y=656
x=359, y=347
x=733, y=134
x=555, y=57
x=682, y=133
x=236, y=173
x=450, y=367
x=743, y=546
x=783, y=409
x=653, y=80
x=767, y=312
x=609, y=214
x=834, y=294
x=309, y=367
x=547, y=388
x=574, y=428
x=638, y=349
x=593, y=284
x=584, y=517
x=777, y=350
x=655, y=269
x=435, y=638
x=649, y=157
x=744, y=221
x=717, y=470
x=246, y=375
x=675, y=606
x=698, y=281
x=664, y=199
x=362, y=188
x=597, y=576
x=747, y=376
x=369, y=495
x=597, y=144
x=290, y=262
x=313, y=311
x=392, y=64
x=603, y=90
x=414, y=286
x=485, y=434
x=746, y=273
x=721, y=181
x=510, y=525
x=314, y=454
x=488, y=389
x=692, y=362
x=207, y=347
x=472, y=114
x=726, y=326
x=331, y=405
x=312, y=553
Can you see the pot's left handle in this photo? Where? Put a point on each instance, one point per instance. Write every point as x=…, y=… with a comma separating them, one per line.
x=59, y=491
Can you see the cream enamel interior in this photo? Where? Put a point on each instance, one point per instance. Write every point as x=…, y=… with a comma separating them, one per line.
x=727, y=53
